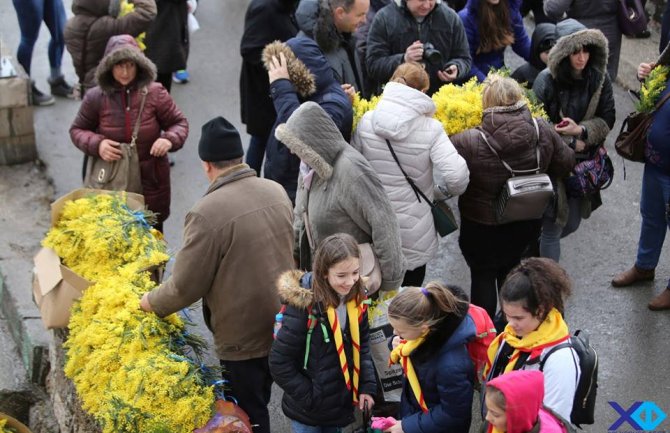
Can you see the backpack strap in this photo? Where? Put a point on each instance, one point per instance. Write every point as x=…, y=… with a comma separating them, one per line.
x=312, y=320
x=556, y=349
x=507, y=166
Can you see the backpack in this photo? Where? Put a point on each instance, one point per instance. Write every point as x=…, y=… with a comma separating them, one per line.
x=584, y=403
x=485, y=333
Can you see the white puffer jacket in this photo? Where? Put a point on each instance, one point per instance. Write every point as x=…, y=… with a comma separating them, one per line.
x=404, y=117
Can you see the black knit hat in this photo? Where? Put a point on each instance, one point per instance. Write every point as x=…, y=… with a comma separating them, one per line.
x=219, y=141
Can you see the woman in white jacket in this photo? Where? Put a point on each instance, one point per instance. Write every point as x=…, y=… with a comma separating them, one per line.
x=404, y=118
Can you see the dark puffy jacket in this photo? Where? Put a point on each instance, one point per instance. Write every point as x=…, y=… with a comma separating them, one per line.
x=167, y=38
x=91, y=27
x=280, y=165
x=109, y=111
x=316, y=395
x=264, y=22
x=483, y=62
x=394, y=29
x=511, y=132
x=543, y=35
x=446, y=375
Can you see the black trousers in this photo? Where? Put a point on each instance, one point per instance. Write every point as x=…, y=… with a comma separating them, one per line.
x=414, y=278
x=491, y=251
x=250, y=383
x=165, y=79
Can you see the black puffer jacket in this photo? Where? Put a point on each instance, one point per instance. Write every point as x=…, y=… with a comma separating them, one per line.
x=167, y=38
x=316, y=395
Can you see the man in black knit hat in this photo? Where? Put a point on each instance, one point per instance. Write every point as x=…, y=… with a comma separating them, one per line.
x=238, y=239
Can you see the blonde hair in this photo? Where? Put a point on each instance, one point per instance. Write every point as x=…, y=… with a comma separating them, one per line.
x=331, y=251
x=412, y=74
x=500, y=91
x=427, y=305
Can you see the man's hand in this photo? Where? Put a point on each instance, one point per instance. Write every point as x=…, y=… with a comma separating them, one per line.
x=350, y=91
x=449, y=74
x=414, y=52
x=110, y=150
x=644, y=69
x=365, y=398
x=144, y=303
x=278, y=68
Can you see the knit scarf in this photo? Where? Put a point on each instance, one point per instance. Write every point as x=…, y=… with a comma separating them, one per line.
x=353, y=316
x=552, y=330
x=402, y=353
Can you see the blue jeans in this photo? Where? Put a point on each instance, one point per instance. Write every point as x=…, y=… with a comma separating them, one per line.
x=655, y=220
x=304, y=428
x=30, y=14
x=256, y=152
x=550, y=240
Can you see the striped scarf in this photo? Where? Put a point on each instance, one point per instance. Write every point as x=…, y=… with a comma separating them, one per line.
x=354, y=314
x=402, y=353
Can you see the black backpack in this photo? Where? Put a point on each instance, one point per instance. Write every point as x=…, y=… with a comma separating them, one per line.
x=584, y=404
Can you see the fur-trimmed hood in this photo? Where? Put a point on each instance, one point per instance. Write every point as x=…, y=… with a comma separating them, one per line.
x=571, y=36
x=119, y=48
x=311, y=134
x=300, y=75
x=291, y=290
x=315, y=19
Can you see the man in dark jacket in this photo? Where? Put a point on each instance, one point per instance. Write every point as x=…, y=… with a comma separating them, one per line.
x=401, y=32
x=238, y=240
x=332, y=24
x=264, y=22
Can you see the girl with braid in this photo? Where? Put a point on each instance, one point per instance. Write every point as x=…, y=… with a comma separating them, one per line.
x=532, y=299
x=321, y=354
x=432, y=325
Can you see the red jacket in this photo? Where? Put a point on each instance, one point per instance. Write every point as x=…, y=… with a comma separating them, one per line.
x=104, y=114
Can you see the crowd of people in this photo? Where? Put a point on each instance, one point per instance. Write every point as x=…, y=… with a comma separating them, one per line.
x=323, y=215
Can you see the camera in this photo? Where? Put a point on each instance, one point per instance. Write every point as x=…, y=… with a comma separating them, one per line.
x=431, y=54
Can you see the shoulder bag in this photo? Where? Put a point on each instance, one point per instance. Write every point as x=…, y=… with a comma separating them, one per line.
x=523, y=197
x=591, y=175
x=632, y=17
x=123, y=174
x=443, y=217
x=632, y=137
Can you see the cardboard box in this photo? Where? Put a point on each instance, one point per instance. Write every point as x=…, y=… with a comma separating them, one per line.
x=55, y=286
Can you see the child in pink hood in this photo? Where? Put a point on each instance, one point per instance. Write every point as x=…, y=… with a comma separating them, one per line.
x=514, y=405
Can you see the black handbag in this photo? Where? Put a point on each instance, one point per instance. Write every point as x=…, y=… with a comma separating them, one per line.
x=632, y=137
x=632, y=17
x=443, y=216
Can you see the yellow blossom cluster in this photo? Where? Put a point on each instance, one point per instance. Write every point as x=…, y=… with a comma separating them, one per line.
x=4, y=428
x=126, y=8
x=128, y=366
x=651, y=89
x=379, y=306
x=362, y=106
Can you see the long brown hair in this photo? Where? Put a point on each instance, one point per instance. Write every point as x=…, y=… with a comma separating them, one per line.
x=331, y=251
x=427, y=305
x=495, y=26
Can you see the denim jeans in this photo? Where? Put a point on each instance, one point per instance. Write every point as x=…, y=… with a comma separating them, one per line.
x=30, y=14
x=256, y=152
x=304, y=428
x=550, y=239
x=655, y=220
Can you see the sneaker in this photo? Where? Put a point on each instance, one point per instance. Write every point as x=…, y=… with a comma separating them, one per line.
x=59, y=87
x=181, y=77
x=39, y=98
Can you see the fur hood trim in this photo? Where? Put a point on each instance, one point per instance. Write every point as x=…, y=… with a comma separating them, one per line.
x=308, y=155
x=291, y=292
x=507, y=108
x=119, y=50
x=299, y=74
x=568, y=44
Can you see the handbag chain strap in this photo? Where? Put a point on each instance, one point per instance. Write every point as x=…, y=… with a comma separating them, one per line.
x=415, y=188
x=136, y=128
x=507, y=166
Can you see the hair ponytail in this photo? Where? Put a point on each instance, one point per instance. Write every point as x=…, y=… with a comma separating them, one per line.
x=425, y=305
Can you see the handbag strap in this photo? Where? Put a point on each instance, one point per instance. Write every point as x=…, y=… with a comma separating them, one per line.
x=136, y=128
x=660, y=103
x=507, y=166
x=415, y=188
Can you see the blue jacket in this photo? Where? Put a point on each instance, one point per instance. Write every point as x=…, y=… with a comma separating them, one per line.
x=280, y=165
x=446, y=375
x=657, y=150
x=483, y=62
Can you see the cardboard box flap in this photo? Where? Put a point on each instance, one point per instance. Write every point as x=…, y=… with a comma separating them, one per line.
x=79, y=283
x=135, y=201
x=47, y=269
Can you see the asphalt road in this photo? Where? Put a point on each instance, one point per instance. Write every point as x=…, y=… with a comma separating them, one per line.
x=630, y=339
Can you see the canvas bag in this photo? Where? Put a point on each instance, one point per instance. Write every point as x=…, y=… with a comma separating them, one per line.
x=123, y=174
x=523, y=197
x=443, y=216
x=632, y=137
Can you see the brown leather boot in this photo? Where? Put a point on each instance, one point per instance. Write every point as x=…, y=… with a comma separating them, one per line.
x=660, y=302
x=632, y=276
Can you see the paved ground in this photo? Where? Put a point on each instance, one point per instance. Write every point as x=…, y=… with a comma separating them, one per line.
x=629, y=338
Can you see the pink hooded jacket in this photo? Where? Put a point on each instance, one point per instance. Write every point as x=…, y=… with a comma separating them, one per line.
x=524, y=392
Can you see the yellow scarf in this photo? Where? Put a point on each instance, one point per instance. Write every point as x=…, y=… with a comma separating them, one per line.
x=552, y=331
x=353, y=311
x=402, y=352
